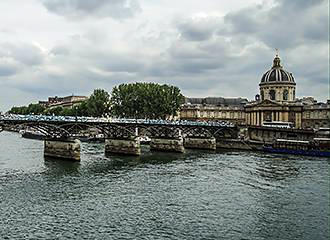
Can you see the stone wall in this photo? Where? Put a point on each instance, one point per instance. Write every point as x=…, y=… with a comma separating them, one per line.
x=268, y=135
x=200, y=143
x=126, y=147
x=170, y=145
x=62, y=149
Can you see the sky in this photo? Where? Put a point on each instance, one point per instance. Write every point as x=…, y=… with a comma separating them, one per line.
x=218, y=48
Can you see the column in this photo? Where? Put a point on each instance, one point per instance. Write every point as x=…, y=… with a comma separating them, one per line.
x=257, y=118
x=62, y=148
x=167, y=145
x=123, y=146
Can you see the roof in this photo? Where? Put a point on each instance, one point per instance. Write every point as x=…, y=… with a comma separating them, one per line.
x=277, y=74
x=217, y=101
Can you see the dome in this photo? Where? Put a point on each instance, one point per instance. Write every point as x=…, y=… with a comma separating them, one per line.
x=277, y=74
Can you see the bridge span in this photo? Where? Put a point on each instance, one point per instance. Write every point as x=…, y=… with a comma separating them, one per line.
x=122, y=135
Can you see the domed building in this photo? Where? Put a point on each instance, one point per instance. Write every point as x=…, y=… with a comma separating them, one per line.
x=277, y=99
x=277, y=84
x=276, y=102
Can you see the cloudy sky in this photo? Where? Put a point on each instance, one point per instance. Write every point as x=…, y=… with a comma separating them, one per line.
x=207, y=48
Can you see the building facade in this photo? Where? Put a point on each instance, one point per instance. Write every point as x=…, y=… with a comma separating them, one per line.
x=65, y=102
x=316, y=116
x=214, y=109
x=276, y=102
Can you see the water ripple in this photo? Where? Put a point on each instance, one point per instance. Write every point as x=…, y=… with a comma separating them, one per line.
x=196, y=195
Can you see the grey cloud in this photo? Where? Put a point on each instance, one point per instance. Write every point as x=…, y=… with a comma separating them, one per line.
x=285, y=25
x=187, y=57
x=122, y=64
x=7, y=69
x=300, y=4
x=197, y=65
x=60, y=50
x=25, y=53
x=213, y=56
x=75, y=9
x=112, y=61
x=198, y=28
x=242, y=22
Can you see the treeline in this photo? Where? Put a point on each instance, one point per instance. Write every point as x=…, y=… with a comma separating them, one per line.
x=97, y=105
x=135, y=100
x=145, y=100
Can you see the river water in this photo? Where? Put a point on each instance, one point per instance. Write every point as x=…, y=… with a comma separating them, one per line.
x=196, y=195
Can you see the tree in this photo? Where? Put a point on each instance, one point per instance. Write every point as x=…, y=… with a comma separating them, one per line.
x=145, y=100
x=98, y=105
x=18, y=110
x=35, y=109
x=81, y=109
x=56, y=111
x=67, y=112
x=31, y=109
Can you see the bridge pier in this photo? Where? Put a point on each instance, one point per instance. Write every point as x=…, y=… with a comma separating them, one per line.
x=200, y=143
x=168, y=145
x=123, y=146
x=62, y=149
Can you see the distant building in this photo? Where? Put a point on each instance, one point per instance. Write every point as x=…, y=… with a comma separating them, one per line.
x=65, y=102
x=316, y=116
x=215, y=109
x=276, y=102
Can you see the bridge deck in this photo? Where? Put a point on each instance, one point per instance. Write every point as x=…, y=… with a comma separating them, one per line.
x=20, y=119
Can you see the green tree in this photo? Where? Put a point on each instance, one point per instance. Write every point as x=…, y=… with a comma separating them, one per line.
x=145, y=100
x=98, y=104
x=31, y=109
x=81, y=109
x=56, y=111
x=67, y=112
x=35, y=109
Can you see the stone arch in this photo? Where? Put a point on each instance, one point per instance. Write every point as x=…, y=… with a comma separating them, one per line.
x=49, y=130
x=272, y=94
x=286, y=94
x=160, y=131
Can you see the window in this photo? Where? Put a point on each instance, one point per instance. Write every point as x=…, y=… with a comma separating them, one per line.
x=285, y=94
x=272, y=94
x=262, y=95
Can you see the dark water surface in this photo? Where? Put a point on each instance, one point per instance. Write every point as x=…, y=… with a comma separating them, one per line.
x=196, y=195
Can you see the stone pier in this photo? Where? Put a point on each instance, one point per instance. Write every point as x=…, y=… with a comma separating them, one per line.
x=123, y=146
x=167, y=145
x=200, y=143
x=62, y=149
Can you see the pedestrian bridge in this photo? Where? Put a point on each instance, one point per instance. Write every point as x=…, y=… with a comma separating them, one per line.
x=122, y=135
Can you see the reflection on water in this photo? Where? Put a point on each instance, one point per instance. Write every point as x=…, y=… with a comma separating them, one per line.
x=196, y=195
x=277, y=167
x=60, y=167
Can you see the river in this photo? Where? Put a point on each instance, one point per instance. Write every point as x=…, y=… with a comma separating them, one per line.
x=196, y=195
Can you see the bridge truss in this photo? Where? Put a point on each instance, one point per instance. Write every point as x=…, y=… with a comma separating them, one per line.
x=62, y=127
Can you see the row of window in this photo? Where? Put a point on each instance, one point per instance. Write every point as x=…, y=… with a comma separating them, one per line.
x=207, y=114
x=272, y=94
x=316, y=114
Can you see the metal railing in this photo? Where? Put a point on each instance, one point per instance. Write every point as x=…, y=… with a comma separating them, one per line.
x=69, y=119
